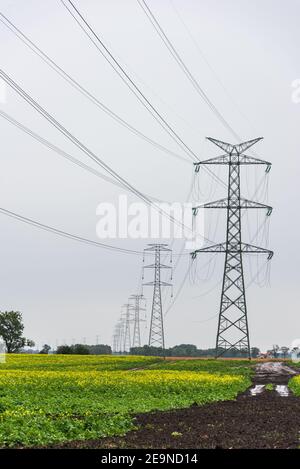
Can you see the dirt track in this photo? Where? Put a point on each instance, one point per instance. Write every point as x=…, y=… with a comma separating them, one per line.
x=273, y=372
x=267, y=420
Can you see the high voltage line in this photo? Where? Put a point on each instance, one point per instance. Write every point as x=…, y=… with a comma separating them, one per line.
x=63, y=153
x=85, y=149
x=66, y=234
x=66, y=133
x=183, y=66
x=55, y=148
x=204, y=58
x=117, y=179
x=75, y=84
x=108, y=56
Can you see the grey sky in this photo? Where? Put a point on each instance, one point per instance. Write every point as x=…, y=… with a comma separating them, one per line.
x=67, y=290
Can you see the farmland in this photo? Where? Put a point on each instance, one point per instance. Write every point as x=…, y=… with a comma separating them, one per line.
x=58, y=398
x=294, y=385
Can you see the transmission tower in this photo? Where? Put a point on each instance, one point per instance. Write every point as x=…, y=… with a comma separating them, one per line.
x=121, y=334
x=115, y=340
x=233, y=330
x=118, y=336
x=136, y=340
x=127, y=336
x=116, y=346
x=156, y=334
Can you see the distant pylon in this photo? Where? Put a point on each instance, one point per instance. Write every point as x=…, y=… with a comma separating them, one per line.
x=115, y=340
x=121, y=334
x=156, y=333
x=136, y=339
x=233, y=332
x=127, y=336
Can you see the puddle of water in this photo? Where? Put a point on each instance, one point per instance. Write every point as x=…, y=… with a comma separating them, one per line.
x=258, y=389
x=282, y=390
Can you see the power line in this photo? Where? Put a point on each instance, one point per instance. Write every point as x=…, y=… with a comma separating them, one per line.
x=192, y=37
x=63, y=153
x=66, y=133
x=179, y=290
x=85, y=149
x=66, y=234
x=55, y=148
x=187, y=72
x=108, y=56
x=194, y=156
x=75, y=84
x=183, y=66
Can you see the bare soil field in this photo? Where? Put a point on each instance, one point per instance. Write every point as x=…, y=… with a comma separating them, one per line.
x=269, y=419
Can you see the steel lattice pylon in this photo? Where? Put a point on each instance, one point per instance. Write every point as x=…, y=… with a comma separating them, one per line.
x=136, y=339
x=127, y=339
x=156, y=334
x=233, y=307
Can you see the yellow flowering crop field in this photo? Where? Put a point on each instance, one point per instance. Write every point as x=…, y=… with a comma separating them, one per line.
x=54, y=398
x=294, y=385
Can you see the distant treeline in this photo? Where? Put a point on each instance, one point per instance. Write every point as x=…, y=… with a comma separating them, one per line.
x=183, y=350
x=189, y=350
x=82, y=349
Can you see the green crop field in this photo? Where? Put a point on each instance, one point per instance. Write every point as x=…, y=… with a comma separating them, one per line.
x=56, y=398
x=294, y=385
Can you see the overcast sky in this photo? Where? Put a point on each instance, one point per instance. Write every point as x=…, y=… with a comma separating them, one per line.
x=245, y=55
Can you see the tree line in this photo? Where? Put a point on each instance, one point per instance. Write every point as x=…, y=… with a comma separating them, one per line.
x=190, y=350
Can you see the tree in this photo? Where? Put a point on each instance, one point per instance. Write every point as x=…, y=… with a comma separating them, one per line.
x=11, y=331
x=148, y=350
x=45, y=350
x=284, y=350
x=255, y=352
x=275, y=350
x=184, y=350
x=64, y=350
x=80, y=349
x=99, y=349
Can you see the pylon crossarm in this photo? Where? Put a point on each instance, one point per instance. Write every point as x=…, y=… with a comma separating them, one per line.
x=162, y=247
x=215, y=248
x=240, y=204
x=223, y=159
x=227, y=147
x=238, y=148
x=250, y=249
x=163, y=284
x=245, y=159
x=244, y=247
x=152, y=266
x=221, y=203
